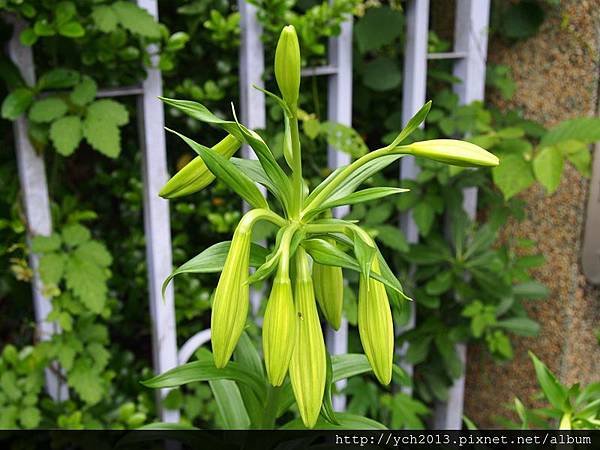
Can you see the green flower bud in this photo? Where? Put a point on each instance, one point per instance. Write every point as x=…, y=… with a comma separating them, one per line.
x=375, y=325
x=287, y=66
x=195, y=176
x=279, y=329
x=230, y=304
x=308, y=365
x=329, y=290
x=451, y=151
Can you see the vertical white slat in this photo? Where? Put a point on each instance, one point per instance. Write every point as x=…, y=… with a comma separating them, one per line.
x=339, y=101
x=470, y=30
x=157, y=221
x=413, y=98
x=252, y=101
x=32, y=177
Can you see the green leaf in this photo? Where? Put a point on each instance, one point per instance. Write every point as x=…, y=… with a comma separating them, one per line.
x=548, y=167
x=255, y=172
x=523, y=326
x=441, y=283
x=84, y=92
x=28, y=37
x=581, y=160
x=222, y=168
x=212, y=260
x=66, y=134
x=16, y=103
x=327, y=410
x=105, y=18
x=96, y=252
x=75, y=234
x=364, y=195
x=344, y=139
x=44, y=244
x=584, y=129
x=513, y=175
x=423, y=215
x=553, y=390
x=382, y=74
x=71, y=29
x=108, y=110
x=86, y=382
x=87, y=281
x=531, y=290
x=348, y=365
x=392, y=237
x=58, y=79
x=205, y=370
x=230, y=405
x=102, y=133
x=47, y=110
x=52, y=267
x=135, y=19
x=452, y=362
x=365, y=253
x=412, y=124
x=202, y=113
x=30, y=417
x=378, y=27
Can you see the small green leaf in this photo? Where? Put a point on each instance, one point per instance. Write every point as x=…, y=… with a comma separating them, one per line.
x=71, y=29
x=412, y=124
x=584, y=129
x=16, y=103
x=52, y=267
x=66, y=134
x=86, y=382
x=378, y=27
x=548, y=167
x=513, y=175
x=382, y=74
x=392, y=237
x=87, y=281
x=424, y=215
x=555, y=392
x=344, y=139
x=105, y=18
x=84, y=92
x=364, y=195
x=44, y=244
x=58, y=79
x=47, y=110
x=75, y=234
x=135, y=19
x=520, y=325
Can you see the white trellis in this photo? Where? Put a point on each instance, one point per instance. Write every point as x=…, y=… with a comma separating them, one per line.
x=469, y=52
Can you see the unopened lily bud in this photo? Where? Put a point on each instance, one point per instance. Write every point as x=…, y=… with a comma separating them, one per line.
x=329, y=290
x=195, y=176
x=308, y=365
x=451, y=151
x=279, y=330
x=375, y=325
x=230, y=304
x=287, y=66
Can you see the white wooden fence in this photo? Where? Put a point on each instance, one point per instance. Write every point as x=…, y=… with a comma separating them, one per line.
x=469, y=54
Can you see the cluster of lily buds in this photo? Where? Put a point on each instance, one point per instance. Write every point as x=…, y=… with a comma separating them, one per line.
x=292, y=334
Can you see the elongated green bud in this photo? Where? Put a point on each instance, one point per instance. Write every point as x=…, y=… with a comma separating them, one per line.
x=287, y=66
x=329, y=290
x=375, y=325
x=279, y=329
x=195, y=176
x=308, y=365
x=451, y=151
x=230, y=304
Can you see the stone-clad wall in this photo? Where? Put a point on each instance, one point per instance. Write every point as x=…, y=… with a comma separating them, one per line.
x=557, y=76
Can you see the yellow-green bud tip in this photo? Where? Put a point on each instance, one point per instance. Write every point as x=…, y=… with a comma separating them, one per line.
x=287, y=66
x=451, y=151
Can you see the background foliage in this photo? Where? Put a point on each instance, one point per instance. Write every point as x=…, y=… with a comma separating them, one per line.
x=469, y=282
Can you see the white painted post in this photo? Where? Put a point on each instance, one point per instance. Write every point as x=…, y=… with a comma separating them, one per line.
x=471, y=36
x=339, y=101
x=32, y=177
x=157, y=221
x=252, y=101
x=414, y=91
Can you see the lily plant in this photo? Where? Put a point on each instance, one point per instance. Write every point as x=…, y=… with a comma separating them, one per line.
x=311, y=247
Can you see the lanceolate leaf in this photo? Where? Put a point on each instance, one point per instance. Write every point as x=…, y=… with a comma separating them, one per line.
x=365, y=195
x=412, y=124
x=212, y=260
x=202, y=113
x=554, y=391
x=230, y=404
x=205, y=370
x=327, y=411
x=365, y=252
x=228, y=173
x=256, y=173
